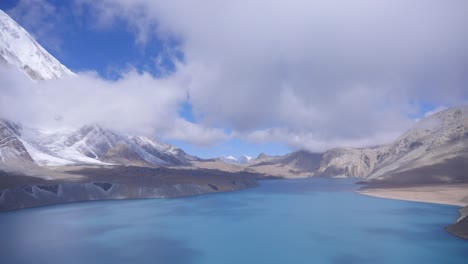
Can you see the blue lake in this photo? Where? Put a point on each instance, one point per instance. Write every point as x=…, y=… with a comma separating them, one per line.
x=281, y=221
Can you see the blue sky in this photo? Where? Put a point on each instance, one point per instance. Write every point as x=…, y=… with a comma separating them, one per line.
x=83, y=47
x=266, y=76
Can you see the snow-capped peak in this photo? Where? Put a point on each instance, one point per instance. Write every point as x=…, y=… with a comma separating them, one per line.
x=244, y=159
x=228, y=159
x=18, y=48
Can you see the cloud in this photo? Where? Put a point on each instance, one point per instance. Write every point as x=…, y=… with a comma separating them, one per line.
x=313, y=142
x=194, y=133
x=314, y=74
x=137, y=104
x=108, y=13
x=310, y=73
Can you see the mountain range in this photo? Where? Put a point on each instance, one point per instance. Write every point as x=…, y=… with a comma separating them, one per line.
x=90, y=144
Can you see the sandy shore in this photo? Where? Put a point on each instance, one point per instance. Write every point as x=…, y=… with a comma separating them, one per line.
x=439, y=194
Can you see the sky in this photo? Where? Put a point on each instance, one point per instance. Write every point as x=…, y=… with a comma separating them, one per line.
x=251, y=76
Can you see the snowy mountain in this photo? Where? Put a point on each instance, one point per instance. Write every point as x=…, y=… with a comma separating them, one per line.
x=18, y=48
x=91, y=144
x=166, y=152
x=244, y=159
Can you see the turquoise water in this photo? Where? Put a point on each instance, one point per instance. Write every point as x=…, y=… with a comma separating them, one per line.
x=287, y=221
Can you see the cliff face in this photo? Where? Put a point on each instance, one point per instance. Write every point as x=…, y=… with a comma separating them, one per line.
x=349, y=162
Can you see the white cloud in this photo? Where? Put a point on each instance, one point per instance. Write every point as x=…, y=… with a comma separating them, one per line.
x=314, y=74
x=196, y=134
x=313, y=142
x=136, y=104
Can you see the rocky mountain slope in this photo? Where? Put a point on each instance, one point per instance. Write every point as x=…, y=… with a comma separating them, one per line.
x=435, y=150
x=300, y=161
x=19, y=49
x=349, y=162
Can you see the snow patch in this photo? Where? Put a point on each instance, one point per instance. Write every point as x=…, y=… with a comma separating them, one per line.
x=43, y=159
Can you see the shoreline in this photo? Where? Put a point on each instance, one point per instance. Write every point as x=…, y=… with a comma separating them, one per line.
x=17, y=192
x=449, y=194
x=455, y=195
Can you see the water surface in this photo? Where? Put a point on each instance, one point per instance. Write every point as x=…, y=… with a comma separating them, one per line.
x=282, y=221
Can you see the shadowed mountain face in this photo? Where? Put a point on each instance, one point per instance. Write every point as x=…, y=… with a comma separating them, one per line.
x=116, y=182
